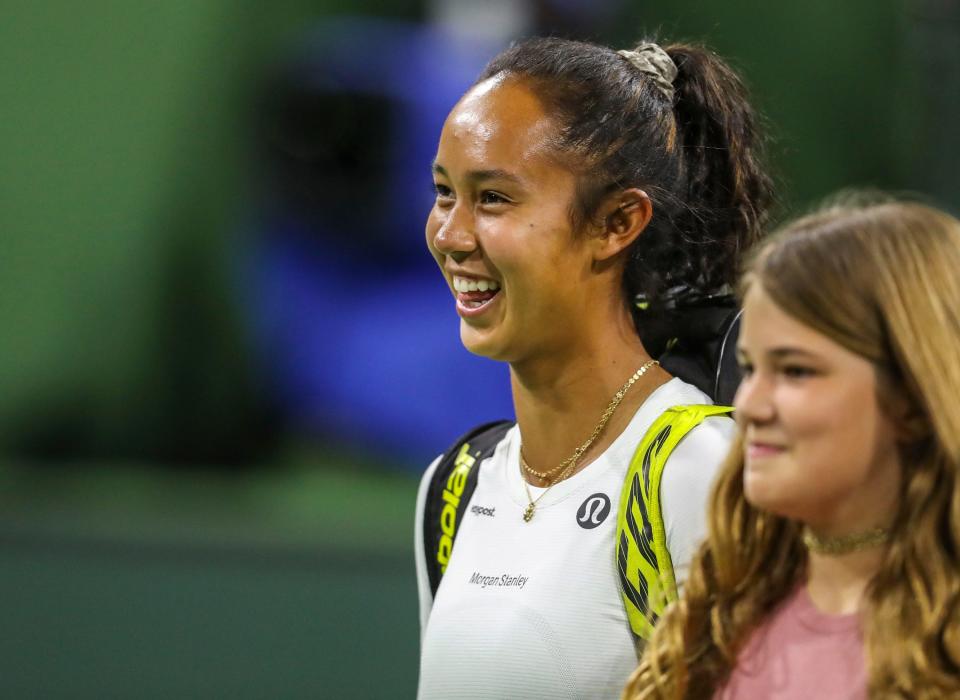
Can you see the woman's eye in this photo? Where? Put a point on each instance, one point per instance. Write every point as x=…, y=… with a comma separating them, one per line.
x=442, y=191
x=489, y=197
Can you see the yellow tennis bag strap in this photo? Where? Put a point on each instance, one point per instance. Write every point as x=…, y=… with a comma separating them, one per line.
x=647, y=582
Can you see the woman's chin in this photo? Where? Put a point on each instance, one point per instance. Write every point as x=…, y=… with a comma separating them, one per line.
x=483, y=342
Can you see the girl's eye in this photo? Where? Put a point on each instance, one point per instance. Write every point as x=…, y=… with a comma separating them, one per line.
x=797, y=371
x=746, y=369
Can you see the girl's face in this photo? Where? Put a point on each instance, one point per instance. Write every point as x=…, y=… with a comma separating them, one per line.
x=500, y=227
x=818, y=446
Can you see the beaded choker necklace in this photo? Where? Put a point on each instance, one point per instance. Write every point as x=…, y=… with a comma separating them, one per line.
x=844, y=544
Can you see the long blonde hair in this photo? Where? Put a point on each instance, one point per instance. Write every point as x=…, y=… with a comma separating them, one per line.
x=882, y=280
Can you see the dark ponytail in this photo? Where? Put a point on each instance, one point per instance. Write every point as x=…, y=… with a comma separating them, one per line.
x=714, y=215
x=722, y=147
x=697, y=153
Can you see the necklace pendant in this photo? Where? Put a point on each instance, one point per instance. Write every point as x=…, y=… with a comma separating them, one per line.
x=528, y=513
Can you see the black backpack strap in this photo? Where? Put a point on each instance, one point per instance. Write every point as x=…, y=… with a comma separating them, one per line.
x=449, y=492
x=705, y=353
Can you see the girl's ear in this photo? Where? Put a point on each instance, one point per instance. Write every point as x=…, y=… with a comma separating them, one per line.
x=910, y=423
x=620, y=220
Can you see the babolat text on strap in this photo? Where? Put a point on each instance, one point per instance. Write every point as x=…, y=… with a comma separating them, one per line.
x=449, y=492
x=647, y=581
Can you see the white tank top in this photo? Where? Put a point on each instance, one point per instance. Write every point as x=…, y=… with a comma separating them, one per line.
x=533, y=610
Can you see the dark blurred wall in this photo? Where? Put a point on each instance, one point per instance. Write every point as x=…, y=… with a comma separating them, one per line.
x=123, y=161
x=930, y=94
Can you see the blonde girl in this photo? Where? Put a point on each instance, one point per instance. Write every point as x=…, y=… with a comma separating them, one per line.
x=832, y=565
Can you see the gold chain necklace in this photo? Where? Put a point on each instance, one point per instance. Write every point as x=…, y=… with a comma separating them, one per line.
x=569, y=464
x=844, y=544
x=530, y=470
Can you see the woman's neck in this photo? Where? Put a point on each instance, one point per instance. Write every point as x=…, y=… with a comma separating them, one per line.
x=560, y=398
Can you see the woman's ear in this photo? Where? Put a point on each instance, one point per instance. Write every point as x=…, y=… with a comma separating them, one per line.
x=620, y=220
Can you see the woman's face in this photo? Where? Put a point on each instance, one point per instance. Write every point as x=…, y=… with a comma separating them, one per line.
x=818, y=448
x=500, y=227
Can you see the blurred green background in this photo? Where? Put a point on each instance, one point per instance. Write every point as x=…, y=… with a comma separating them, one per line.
x=162, y=533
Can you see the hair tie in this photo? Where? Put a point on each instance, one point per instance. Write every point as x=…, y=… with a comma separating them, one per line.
x=655, y=63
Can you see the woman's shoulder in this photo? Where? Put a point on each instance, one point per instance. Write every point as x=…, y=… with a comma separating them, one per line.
x=702, y=448
x=476, y=445
x=712, y=435
x=710, y=439
x=701, y=452
x=676, y=393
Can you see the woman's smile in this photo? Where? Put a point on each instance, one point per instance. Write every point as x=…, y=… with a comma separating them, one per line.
x=475, y=295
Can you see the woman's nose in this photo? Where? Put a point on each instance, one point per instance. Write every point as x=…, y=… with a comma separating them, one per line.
x=455, y=237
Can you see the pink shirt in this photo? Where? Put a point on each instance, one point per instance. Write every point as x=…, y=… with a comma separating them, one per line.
x=801, y=653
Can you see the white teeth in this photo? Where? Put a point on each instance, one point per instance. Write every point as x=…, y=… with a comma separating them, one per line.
x=464, y=284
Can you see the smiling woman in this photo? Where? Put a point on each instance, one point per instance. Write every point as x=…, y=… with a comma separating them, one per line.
x=499, y=189
x=835, y=523
x=572, y=181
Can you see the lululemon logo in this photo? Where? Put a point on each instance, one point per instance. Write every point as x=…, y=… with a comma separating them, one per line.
x=593, y=511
